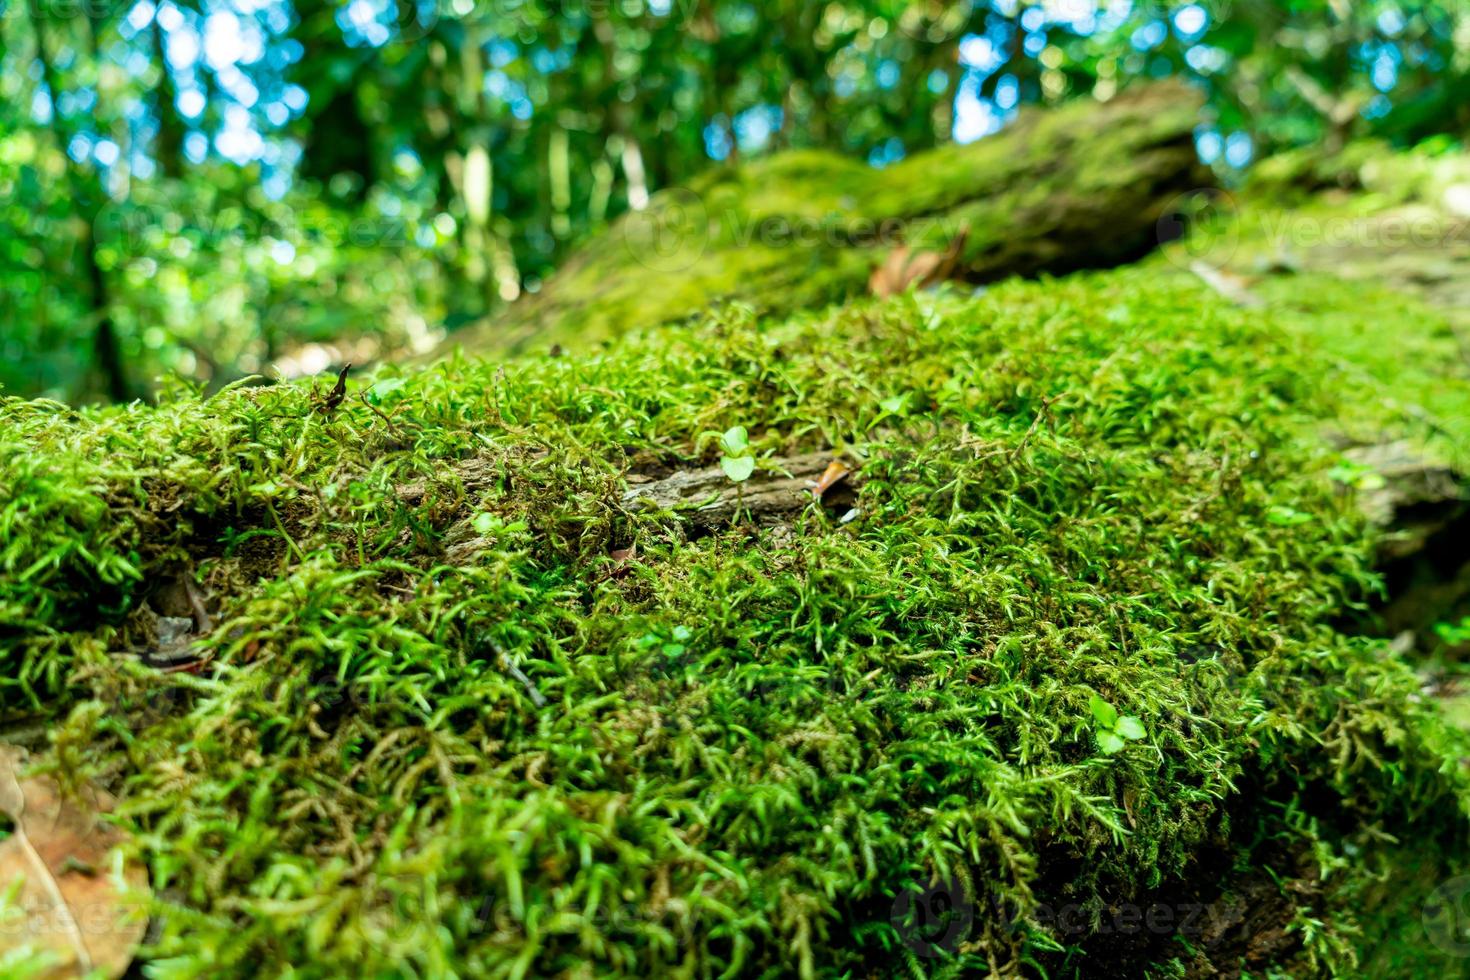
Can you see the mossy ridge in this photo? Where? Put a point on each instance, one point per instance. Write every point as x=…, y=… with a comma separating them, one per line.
x=752, y=741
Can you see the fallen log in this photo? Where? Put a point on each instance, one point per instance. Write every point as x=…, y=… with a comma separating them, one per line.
x=1081, y=186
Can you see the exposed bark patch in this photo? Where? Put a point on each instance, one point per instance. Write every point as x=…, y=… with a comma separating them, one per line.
x=1425, y=507
x=709, y=500
x=1218, y=921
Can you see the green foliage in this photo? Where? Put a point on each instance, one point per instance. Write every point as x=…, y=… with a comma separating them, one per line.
x=1454, y=634
x=340, y=188
x=1113, y=731
x=737, y=463
x=440, y=730
x=804, y=229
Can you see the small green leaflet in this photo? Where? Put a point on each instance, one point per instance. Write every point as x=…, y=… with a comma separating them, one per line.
x=1105, y=714
x=384, y=390
x=1110, y=743
x=1130, y=728
x=1287, y=517
x=738, y=468
x=1114, y=732
x=735, y=441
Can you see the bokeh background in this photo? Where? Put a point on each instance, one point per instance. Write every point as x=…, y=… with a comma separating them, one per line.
x=194, y=192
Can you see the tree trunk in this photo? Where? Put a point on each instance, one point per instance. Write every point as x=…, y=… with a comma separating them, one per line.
x=169, y=148
x=87, y=192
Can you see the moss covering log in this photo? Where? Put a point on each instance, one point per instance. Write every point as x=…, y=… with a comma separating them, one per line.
x=464, y=706
x=1083, y=186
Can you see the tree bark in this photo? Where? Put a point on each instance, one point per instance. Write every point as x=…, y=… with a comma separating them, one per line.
x=709, y=500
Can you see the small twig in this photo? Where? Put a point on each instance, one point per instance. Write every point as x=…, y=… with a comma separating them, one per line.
x=537, y=698
x=1197, y=509
x=379, y=413
x=1044, y=412
x=1228, y=286
x=290, y=541
x=202, y=622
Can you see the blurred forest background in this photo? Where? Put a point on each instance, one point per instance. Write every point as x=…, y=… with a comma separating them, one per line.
x=206, y=189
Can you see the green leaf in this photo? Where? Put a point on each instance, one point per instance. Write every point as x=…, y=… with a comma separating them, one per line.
x=1130, y=727
x=738, y=469
x=735, y=441
x=484, y=523
x=383, y=391
x=1287, y=517
x=897, y=405
x=1105, y=714
x=1357, y=476
x=1110, y=743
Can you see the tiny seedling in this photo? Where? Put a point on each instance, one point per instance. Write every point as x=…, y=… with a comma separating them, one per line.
x=737, y=462
x=1113, y=731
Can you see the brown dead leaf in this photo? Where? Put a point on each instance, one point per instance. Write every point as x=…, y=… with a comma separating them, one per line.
x=73, y=901
x=329, y=404
x=621, y=558
x=885, y=279
x=835, y=473
x=904, y=268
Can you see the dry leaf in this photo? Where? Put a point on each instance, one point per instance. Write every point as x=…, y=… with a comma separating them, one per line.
x=888, y=279
x=904, y=268
x=621, y=557
x=73, y=900
x=835, y=473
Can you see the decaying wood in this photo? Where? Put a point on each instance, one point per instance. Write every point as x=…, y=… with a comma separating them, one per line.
x=705, y=497
x=708, y=499
x=1416, y=497
x=1424, y=505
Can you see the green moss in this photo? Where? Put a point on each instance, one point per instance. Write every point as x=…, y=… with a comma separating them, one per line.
x=441, y=730
x=1076, y=187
